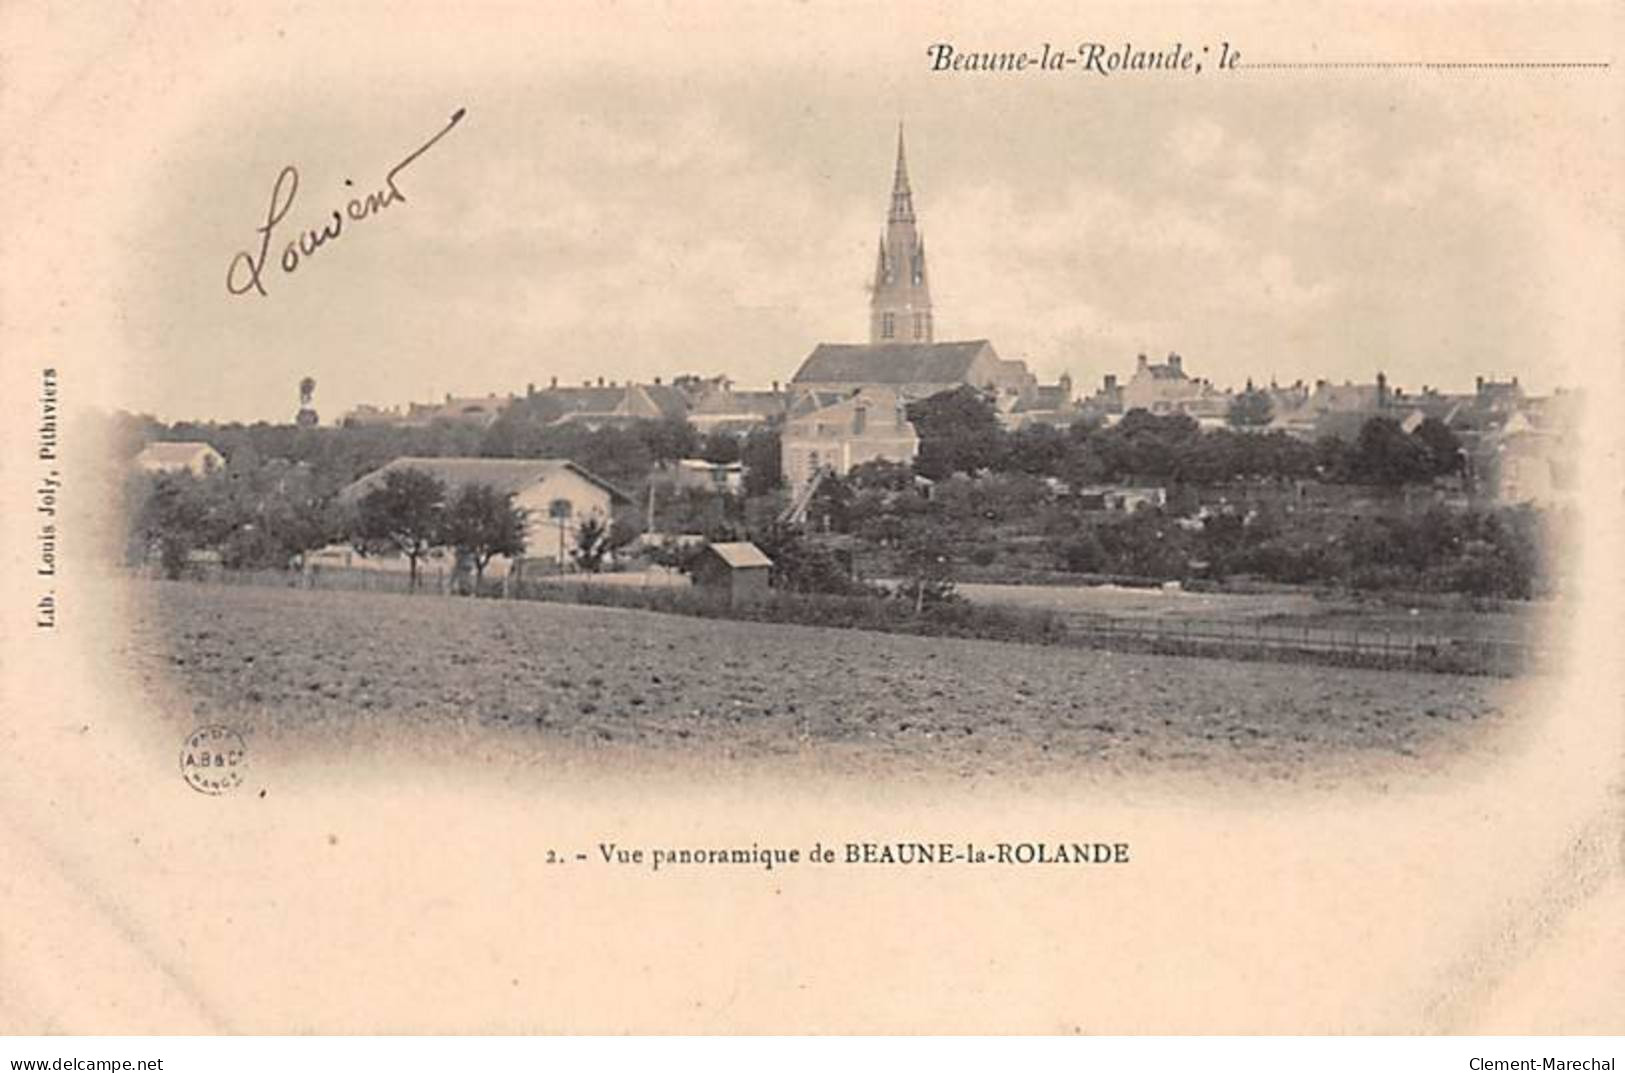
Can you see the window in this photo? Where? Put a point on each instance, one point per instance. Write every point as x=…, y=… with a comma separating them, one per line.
x=888, y=326
x=919, y=326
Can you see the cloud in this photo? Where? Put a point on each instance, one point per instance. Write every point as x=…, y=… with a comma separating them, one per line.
x=636, y=228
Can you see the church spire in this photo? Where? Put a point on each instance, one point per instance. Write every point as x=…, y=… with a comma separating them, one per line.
x=902, y=199
x=900, y=302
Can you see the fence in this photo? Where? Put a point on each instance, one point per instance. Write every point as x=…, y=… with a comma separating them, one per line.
x=433, y=579
x=1224, y=639
x=1380, y=649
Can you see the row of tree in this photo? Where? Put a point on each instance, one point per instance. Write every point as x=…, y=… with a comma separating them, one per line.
x=1484, y=553
x=626, y=455
x=271, y=516
x=960, y=432
x=1021, y=522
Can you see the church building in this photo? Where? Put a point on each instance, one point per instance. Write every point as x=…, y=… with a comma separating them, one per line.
x=902, y=354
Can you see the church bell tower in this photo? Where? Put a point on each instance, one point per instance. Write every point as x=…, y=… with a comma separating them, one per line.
x=900, y=301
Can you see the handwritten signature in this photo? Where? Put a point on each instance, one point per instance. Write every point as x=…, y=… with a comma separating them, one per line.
x=247, y=270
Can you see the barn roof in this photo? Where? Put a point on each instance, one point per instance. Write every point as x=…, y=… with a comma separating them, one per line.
x=741, y=554
x=891, y=363
x=506, y=475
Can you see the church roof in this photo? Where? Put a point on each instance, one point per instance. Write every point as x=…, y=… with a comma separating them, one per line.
x=891, y=363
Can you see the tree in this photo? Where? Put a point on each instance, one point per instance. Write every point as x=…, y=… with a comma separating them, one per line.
x=406, y=513
x=959, y=433
x=800, y=565
x=1385, y=455
x=1443, y=448
x=1039, y=450
x=592, y=544
x=881, y=474
x=482, y=523
x=172, y=512
x=667, y=439
x=832, y=503
x=764, y=470
x=720, y=447
x=1079, y=552
x=1251, y=409
x=928, y=572
x=1146, y=445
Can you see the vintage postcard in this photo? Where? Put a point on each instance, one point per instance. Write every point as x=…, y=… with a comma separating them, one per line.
x=812, y=518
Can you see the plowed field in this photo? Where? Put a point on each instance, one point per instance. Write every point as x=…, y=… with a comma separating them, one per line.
x=536, y=677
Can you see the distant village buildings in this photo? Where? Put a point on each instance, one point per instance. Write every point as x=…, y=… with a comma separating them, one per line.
x=838, y=431
x=478, y=411
x=1166, y=388
x=179, y=456
x=597, y=405
x=847, y=402
x=706, y=476
x=557, y=496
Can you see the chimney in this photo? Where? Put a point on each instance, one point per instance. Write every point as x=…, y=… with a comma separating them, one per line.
x=657, y=381
x=553, y=382
x=1109, y=383
x=600, y=381
x=860, y=419
x=775, y=387
x=1140, y=362
x=1382, y=390
x=1481, y=385
x=1175, y=362
x=530, y=389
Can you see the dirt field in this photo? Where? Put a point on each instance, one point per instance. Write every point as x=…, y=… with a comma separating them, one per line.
x=534, y=676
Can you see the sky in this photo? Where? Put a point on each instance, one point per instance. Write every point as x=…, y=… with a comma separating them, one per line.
x=616, y=205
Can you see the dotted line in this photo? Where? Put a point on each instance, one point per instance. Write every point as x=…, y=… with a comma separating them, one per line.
x=1426, y=65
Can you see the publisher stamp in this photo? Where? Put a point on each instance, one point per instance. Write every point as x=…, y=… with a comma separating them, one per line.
x=213, y=759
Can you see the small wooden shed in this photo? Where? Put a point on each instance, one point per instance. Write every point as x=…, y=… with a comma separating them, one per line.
x=739, y=569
